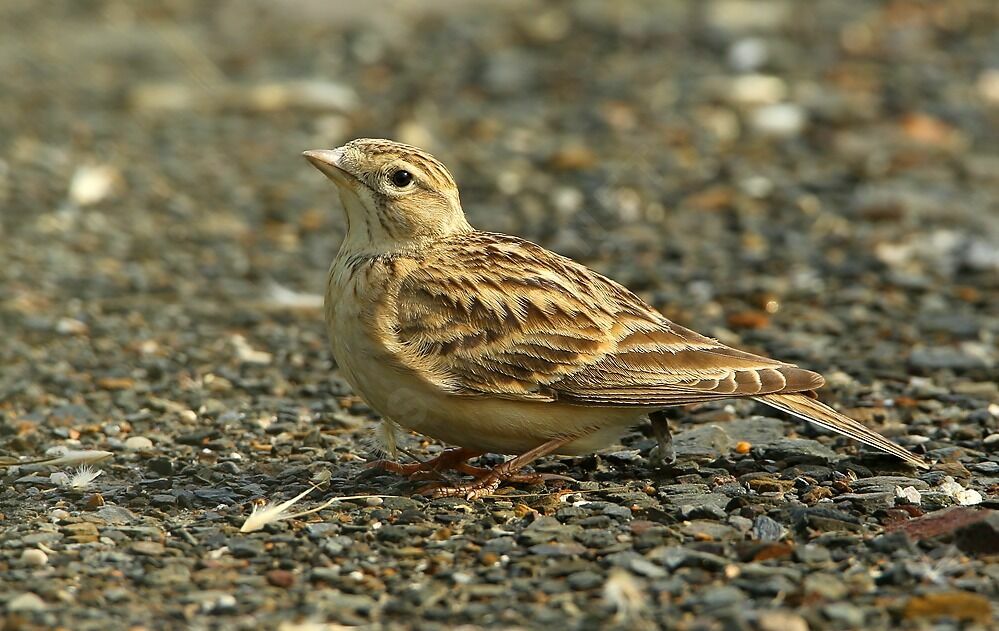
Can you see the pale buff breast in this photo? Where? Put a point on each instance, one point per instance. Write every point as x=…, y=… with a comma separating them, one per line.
x=481, y=423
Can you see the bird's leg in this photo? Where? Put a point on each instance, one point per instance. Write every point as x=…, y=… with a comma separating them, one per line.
x=663, y=454
x=448, y=459
x=489, y=480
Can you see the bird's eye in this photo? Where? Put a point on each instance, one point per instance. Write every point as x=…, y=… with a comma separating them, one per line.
x=401, y=178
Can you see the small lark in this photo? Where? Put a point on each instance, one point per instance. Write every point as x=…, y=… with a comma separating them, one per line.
x=495, y=344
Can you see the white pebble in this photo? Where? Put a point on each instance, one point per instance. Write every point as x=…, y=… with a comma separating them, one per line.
x=58, y=514
x=374, y=501
x=757, y=89
x=26, y=602
x=969, y=497
x=138, y=442
x=35, y=557
x=779, y=119
x=908, y=495
x=748, y=54
x=91, y=184
x=71, y=326
x=988, y=85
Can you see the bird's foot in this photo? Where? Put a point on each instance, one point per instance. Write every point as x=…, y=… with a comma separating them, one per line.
x=485, y=483
x=447, y=460
x=488, y=480
x=662, y=455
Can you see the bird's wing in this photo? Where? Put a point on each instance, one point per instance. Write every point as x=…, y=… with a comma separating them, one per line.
x=488, y=314
x=491, y=315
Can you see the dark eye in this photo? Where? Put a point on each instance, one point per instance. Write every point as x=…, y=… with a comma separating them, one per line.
x=401, y=178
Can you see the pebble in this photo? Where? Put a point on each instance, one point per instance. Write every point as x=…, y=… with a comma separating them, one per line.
x=766, y=529
x=26, y=602
x=34, y=557
x=757, y=89
x=138, y=443
x=781, y=621
x=782, y=120
x=92, y=184
x=845, y=614
x=748, y=54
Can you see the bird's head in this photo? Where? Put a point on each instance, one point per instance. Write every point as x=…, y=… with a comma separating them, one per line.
x=395, y=195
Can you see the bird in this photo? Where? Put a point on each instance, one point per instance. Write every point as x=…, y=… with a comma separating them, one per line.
x=494, y=344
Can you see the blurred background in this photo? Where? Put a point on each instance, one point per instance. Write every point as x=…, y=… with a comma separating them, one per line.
x=815, y=180
x=723, y=158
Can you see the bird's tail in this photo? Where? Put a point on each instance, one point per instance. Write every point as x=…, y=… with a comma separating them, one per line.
x=822, y=415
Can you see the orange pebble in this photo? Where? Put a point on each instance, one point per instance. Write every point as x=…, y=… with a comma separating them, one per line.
x=742, y=447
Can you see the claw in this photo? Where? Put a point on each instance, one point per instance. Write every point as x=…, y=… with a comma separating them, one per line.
x=662, y=455
x=448, y=459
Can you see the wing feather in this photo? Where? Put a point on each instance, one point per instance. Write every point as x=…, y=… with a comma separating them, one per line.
x=493, y=315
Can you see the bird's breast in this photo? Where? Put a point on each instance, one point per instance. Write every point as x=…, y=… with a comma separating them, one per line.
x=356, y=296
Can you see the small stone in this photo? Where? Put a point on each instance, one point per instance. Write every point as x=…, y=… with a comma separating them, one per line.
x=161, y=466
x=557, y=549
x=988, y=85
x=246, y=548
x=813, y=554
x=779, y=120
x=585, y=580
x=800, y=451
x=70, y=326
x=92, y=184
x=907, y=495
x=26, y=602
x=723, y=596
x=968, y=497
x=944, y=358
x=943, y=522
x=980, y=537
x=757, y=89
x=115, y=514
x=58, y=514
x=955, y=604
x=137, y=443
x=766, y=529
x=81, y=532
x=34, y=557
x=163, y=500
x=705, y=440
x=281, y=578
x=825, y=586
x=748, y=54
x=845, y=613
x=148, y=548
x=781, y=621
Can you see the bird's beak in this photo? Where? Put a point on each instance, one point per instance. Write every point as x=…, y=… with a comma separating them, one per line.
x=328, y=161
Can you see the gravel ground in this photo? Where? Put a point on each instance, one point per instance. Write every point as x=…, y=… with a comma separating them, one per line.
x=818, y=181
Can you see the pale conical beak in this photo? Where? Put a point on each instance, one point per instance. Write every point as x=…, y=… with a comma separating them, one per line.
x=328, y=161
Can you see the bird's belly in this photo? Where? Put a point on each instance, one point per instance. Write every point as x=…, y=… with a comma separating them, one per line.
x=487, y=423
x=513, y=427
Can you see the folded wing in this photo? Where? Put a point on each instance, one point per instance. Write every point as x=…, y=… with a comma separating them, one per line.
x=493, y=315
x=497, y=316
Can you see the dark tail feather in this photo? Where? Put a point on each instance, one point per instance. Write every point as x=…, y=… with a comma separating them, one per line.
x=822, y=415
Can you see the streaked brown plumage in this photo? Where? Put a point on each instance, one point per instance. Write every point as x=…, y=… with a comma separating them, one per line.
x=494, y=343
